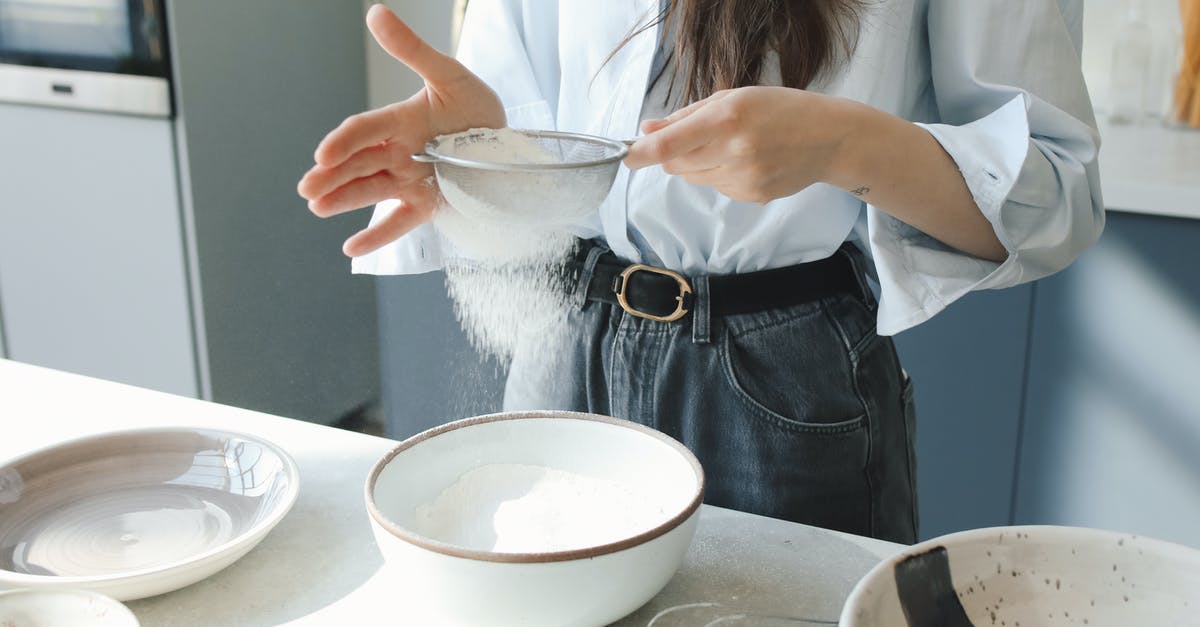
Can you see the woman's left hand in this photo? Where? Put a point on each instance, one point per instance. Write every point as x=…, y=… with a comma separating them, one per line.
x=751, y=144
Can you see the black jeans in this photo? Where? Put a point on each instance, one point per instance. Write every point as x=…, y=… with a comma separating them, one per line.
x=801, y=413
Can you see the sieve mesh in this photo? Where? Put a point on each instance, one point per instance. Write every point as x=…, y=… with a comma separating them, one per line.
x=568, y=184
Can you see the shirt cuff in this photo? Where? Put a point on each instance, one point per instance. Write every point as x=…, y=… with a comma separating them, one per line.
x=919, y=276
x=419, y=251
x=990, y=153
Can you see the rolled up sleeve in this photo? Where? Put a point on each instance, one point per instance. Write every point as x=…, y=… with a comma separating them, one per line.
x=1015, y=116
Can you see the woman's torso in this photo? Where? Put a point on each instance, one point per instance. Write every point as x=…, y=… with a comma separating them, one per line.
x=655, y=218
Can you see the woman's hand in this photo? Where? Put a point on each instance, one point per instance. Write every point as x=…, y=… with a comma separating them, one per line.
x=367, y=158
x=758, y=144
x=752, y=144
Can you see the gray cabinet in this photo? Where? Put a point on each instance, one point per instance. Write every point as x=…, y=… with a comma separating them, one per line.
x=286, y=328
x=968, y=371
x=1112, y=425
x=1072, y=401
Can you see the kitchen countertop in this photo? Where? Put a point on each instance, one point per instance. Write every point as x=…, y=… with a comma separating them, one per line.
x=1151, y=169
x=320, y=566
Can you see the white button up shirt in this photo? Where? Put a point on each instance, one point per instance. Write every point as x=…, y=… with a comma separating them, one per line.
x=996, y=82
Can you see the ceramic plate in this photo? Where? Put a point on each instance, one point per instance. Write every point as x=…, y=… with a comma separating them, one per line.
x=62, y=608
x=138, y=513
x=1037, y=575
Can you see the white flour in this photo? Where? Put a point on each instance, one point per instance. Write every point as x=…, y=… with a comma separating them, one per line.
x=507, y=282
x=520, y=508
x=497, y=145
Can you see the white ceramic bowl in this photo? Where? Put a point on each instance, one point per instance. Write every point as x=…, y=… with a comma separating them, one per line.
x=1047, y=575
x=132, y=514
x=62, y=608
x=441, y=583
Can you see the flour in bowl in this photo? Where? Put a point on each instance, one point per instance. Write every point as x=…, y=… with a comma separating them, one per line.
x=522, y=508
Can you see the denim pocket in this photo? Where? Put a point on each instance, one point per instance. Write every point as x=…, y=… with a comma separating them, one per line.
x=794, y=373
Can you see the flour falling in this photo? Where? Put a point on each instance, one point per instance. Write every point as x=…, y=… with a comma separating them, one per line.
x=522, y=508
x=507, y=275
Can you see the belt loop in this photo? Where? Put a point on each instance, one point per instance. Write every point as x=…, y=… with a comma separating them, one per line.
x=701, y=321
x=857, y=263
x=585, y=276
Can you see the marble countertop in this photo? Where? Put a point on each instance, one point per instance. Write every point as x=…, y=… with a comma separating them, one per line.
x=320, y=566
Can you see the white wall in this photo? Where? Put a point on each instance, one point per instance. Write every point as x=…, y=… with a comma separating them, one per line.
x=387, y=79
x=1101, y=21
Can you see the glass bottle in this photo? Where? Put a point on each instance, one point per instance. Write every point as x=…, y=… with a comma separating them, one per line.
x=1131, y=58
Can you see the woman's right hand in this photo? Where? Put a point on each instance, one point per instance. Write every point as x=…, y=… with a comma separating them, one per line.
x=368, y=158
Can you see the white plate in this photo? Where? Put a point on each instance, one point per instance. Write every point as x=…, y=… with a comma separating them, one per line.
x=137, y=513
x=1047, y=575
x=62, y=608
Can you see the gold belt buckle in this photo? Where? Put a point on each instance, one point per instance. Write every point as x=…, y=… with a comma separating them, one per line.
x=684, y=290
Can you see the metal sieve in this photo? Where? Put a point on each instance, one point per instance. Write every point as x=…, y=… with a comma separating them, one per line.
x=558, y=193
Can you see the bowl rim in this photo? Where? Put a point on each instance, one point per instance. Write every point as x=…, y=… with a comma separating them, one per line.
x=621, y=150
x=997, y=533
x=291, y=470
x=532, y=557
x=109, y=603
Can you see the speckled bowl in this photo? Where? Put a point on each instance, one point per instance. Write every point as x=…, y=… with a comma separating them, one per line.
x=438, y=583
x=1047, y=575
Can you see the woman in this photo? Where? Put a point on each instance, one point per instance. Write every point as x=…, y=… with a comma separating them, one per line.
x=790, y=150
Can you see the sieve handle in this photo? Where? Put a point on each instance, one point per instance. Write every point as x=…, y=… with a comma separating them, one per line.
x=425, y=158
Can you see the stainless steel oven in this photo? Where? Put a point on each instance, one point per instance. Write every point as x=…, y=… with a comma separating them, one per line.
x=101, y=55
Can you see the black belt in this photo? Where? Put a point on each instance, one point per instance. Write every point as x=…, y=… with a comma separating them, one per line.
x=666, y=296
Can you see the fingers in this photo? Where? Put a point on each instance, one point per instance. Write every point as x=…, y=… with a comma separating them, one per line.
x=364, y=130
x=704, y=158
x=402, y=43
x=403, y=218
x=664, y=145
x=678, y=134
x=679, y=114
x=320, y=180
x=356, y=194
x=650, y=126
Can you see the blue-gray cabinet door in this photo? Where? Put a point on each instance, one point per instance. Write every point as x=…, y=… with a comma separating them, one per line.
x=967, y=366
x=1112, y=427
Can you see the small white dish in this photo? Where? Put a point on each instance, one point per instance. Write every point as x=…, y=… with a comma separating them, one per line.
x=440, y=583
x=133, y=514
x=1046, y=575
x=62, y=608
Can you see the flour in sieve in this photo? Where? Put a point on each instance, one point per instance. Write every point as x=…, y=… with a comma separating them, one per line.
x=507, y=195
x=522, y=508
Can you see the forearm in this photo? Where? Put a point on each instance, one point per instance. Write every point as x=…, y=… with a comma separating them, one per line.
x=899, y=168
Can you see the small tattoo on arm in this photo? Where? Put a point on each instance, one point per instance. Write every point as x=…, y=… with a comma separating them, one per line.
x=860, y=191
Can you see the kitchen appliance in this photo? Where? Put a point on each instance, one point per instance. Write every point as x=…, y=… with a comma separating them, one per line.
x=98, y=55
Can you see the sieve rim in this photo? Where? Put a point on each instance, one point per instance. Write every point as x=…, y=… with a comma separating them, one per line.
x=621, y=151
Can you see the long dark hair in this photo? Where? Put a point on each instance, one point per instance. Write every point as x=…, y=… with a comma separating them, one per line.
x=721, y=44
